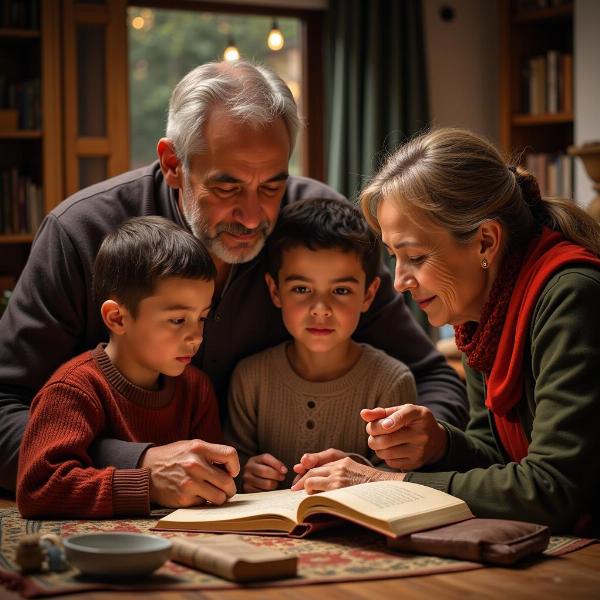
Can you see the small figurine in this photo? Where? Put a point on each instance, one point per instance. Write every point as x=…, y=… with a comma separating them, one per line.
x=54, y=551
x=29, y=554
x=33, y=550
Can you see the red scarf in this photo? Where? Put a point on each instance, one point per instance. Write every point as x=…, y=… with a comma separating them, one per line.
x=545, y=256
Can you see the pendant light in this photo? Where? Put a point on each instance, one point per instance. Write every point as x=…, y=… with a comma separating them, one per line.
x=275, y=41
x=231, y=53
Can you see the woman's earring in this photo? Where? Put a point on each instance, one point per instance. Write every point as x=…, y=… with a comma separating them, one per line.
x=484, y=263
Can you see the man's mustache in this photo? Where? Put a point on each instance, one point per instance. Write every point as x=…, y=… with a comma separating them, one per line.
x=239, y=229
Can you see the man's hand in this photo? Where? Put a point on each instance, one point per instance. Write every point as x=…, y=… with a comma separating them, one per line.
x=263, y=473
x=406, y=437
x=190, y=472
x=316, y=459
x=341, y=473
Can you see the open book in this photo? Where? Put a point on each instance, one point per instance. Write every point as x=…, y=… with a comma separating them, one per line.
x=393, y=508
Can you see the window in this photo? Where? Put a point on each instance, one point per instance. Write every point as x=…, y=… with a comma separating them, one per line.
x=165, y=44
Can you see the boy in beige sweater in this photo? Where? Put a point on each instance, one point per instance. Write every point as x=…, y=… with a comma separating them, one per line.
x=305, y=395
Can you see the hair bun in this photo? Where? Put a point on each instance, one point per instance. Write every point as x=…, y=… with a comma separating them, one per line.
x=529, y=187
x=530, y=191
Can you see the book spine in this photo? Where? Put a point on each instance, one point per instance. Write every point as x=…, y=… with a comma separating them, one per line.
x=552, y=176
x=567, y=65
x=567, y=176
x=14, y=199
x=552, y=81
x=541, y=82
x=543, y=173
x=533, y=87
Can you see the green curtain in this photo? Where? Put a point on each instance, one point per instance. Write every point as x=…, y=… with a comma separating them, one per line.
x=376, y=85
x=376, y=90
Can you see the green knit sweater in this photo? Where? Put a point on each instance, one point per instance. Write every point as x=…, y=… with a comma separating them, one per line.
x=559, y=479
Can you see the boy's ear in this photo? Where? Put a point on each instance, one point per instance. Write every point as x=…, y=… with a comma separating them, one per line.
x=113, y=316
x=169, y=163
x=273, y=290
x=370, y=294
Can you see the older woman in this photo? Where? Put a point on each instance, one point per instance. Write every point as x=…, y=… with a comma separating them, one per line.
x=519, y=278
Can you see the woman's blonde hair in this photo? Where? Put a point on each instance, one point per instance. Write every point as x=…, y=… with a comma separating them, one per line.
x=459, y=181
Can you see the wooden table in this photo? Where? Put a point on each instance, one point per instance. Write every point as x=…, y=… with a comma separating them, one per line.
x=572, y=576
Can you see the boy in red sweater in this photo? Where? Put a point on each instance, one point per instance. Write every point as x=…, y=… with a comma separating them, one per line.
x=154, y=283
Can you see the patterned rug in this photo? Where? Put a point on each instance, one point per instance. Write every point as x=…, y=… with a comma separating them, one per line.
x=345, y=554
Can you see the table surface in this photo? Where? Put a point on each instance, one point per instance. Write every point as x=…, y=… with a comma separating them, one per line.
x=573, y=576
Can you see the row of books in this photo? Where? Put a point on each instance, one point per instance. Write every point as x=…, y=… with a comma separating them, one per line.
x=26, y=98
x=21, y=203
x=549, y=83
x=554, y=173
x=20, y=14
x=525, y=6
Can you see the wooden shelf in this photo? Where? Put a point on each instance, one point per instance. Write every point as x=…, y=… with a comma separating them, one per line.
x=16, y=238
x=19, y=33
x=544, y=14
x=535, y=73
x=32, y=52
x=544, y=119
x=21, y=134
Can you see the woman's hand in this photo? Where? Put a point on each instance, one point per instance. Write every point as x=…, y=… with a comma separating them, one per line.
x=341, y=473
x=263, y=473
x=406, y=437
x=316, y=459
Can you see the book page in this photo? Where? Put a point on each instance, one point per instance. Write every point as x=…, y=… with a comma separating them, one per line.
x=387, y=500
x=282, y=503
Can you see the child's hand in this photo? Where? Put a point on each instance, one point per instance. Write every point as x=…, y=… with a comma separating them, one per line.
x=316, y=459
x=263, y=473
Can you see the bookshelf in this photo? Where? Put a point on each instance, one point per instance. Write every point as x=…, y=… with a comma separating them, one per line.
x=31, y=180
x=536, y=89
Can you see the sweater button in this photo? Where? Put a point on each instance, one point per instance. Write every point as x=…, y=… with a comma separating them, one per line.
x=311, y=404
x=310, y=424
x=217, y=318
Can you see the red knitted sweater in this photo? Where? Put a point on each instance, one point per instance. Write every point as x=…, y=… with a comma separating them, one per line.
x=86, y=399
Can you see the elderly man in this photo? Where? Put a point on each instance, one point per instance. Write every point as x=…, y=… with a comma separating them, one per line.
x=223, y=173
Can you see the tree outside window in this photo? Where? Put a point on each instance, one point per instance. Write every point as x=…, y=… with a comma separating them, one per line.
x=165, y=44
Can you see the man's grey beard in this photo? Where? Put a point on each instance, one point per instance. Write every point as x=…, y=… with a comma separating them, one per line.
x=199, y=226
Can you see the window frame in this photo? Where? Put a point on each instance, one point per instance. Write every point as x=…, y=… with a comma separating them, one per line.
x=312, y=32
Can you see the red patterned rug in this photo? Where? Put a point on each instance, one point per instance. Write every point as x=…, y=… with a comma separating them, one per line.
x=346, y=554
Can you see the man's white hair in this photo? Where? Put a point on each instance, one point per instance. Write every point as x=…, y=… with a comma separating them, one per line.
x=252, y=93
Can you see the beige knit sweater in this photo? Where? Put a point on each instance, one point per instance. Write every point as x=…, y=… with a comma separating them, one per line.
x=274, y=410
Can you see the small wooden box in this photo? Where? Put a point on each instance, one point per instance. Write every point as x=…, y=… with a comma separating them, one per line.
x=9, y=119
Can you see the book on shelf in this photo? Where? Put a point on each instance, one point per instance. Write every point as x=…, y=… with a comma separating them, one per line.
x=393, y=508
x=528, y=6
x=548, y=85
x=25, y=97
x=552, y=62
x=566, y=87
x=554, y=173
x=21, y=203
x=232, y=558
x=20, y=14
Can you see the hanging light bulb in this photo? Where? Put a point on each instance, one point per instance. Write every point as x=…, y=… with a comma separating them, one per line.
x=275, y=41
x=231, y=53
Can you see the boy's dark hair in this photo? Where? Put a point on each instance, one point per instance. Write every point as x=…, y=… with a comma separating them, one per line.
x=140, y=253
x=323, y=224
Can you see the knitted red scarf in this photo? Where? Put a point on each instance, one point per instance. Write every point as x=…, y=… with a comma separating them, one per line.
x=497, y=342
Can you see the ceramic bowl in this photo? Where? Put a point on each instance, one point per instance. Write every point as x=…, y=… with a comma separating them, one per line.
x=116, y=554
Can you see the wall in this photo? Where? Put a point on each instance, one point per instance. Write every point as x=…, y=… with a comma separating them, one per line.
x=587, y=87
x=463, y=58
